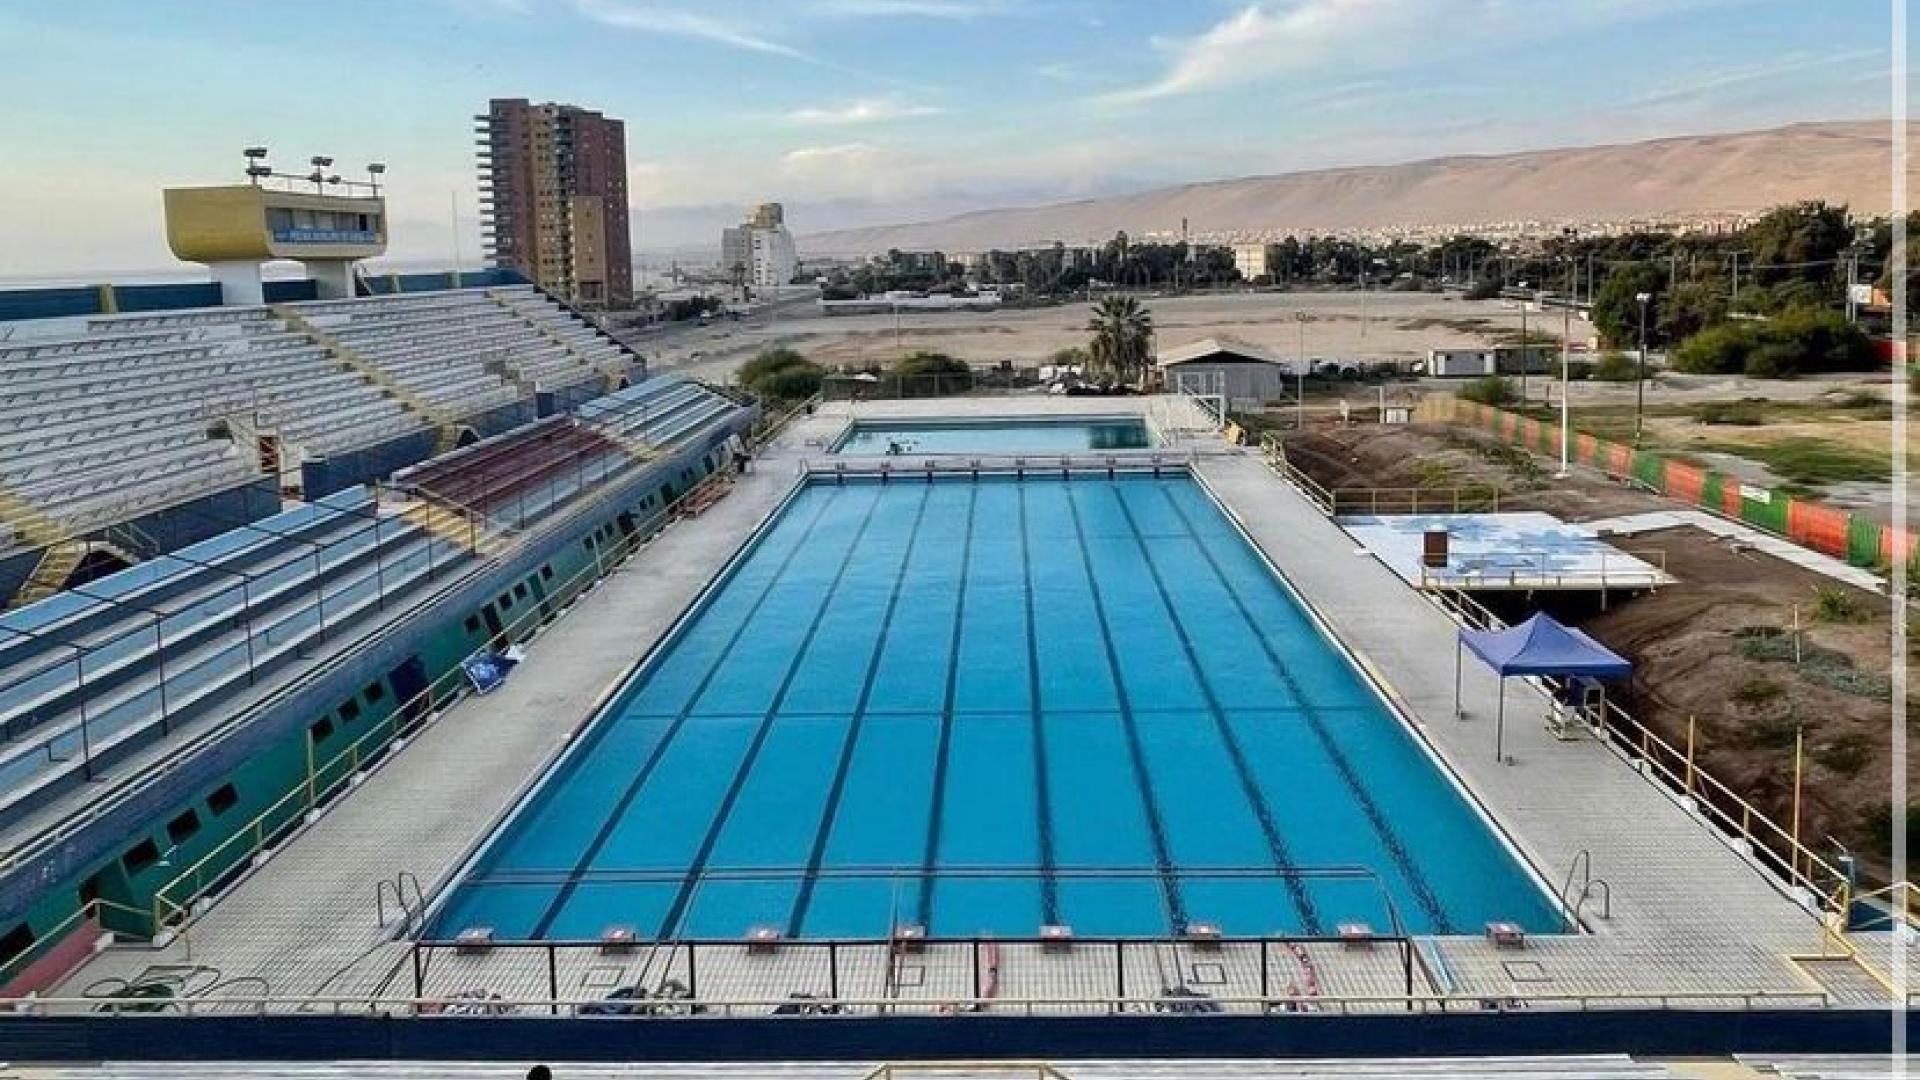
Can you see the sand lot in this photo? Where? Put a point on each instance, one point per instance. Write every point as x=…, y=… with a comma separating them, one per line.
x=1338, y=325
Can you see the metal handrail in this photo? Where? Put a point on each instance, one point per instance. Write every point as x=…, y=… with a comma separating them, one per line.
x=308, y=794
x=1634, y=742
x=61, y=830
x=1300, y=1005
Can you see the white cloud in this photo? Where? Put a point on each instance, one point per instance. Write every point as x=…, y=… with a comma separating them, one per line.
x=861, y=111
x=1281, y=37
x=677, y=22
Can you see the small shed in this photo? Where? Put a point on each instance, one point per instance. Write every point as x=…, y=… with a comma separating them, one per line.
x=1247, y=375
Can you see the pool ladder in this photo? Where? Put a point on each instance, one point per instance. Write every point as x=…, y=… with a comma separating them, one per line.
x=409, y=908
x=1572, y=903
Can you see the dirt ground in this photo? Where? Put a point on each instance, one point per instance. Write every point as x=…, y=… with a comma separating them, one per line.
x=1376, y=325
x=1715, y=646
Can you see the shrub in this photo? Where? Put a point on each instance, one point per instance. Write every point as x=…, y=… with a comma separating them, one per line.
x=1484, y=289
x=1833, y=604
x=1846, y=753
x=781, y=374
x=1717, y=350
x=1615, y=366
x=1757, y=691
x=1490, y=390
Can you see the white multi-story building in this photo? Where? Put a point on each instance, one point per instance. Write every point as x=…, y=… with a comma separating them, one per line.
x=1251, y=260
x=760, y=251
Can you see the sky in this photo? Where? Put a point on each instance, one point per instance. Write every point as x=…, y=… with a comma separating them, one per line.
x=861, y=111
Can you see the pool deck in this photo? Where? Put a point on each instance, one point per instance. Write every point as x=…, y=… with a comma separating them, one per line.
x=1690, y=914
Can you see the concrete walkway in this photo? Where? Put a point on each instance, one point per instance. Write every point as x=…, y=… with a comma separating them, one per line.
x=1766, y=542
x=306, y=922
x=1689, y=913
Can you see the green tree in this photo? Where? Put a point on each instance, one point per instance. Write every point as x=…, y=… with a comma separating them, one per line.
x=1799, y=242
x=1122, y=337
x=1691, y=307
x=931, y=374
x=781, y=374
x=1616, y=307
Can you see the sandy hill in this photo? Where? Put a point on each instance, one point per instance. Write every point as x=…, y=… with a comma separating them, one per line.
x=1689, y=175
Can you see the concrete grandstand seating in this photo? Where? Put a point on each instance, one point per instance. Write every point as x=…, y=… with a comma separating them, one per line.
x=658, y=412
x=465, y=351
x=112, y=665
x=585, y=352
x=105, y=419
x=518, y=477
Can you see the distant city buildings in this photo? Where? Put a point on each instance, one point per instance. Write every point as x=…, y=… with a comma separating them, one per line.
x=759, y=251
x=553, y=198
x=1252, y=260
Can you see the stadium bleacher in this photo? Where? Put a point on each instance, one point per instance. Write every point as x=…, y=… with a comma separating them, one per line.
x=97, y=671
x=113, y=417
x=93, y=669
x=515, y=478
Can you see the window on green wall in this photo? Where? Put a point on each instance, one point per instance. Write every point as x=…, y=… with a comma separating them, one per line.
x=223, y=798
x=373, y=693
x=349, y=711
x=321, y=730
x=182, y=828
x=17, y=940
x=140, y=856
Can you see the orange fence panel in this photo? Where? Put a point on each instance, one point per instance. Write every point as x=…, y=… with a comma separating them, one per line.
x=1686, y=482
x=1821, y=528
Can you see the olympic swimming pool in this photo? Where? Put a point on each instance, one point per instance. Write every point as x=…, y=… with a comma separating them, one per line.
x=987, y=705
x=994, y=436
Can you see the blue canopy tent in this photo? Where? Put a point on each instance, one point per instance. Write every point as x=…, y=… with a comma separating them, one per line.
x=1538, y=646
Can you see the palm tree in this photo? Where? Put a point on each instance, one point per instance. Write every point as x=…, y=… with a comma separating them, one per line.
x=1122, y=337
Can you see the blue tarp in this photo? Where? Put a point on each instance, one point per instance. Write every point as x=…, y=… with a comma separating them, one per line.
x=1542, y=646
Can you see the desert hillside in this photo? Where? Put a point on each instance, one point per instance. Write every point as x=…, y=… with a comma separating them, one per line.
x=1690, y=175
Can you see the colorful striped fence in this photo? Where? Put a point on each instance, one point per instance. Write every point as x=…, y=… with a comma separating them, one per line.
x=1826, y=529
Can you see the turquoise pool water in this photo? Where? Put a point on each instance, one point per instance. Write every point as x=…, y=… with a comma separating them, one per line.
x=987, y=705
x=994, y=436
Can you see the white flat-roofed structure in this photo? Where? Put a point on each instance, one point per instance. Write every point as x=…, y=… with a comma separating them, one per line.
x=1519, y=550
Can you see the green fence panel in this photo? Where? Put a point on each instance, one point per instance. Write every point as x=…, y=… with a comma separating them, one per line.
x=1770, y=515
x=1713, y=491
x=1650, y=469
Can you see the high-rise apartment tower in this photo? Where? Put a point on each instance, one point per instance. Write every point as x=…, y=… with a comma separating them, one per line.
x=553, y=198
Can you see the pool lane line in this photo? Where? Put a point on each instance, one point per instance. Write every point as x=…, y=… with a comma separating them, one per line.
x=1382, y=825
x=937, y=800
x=1277, y=848
x=1043, y=796
x=659, y=751
x=1156, y=825
x=690, y=883
x=837, y=790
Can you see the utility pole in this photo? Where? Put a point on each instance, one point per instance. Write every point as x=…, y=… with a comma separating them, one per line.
x=1566, y=375
x=1640, y=383
x=1524, y=354
x=1300, y=373
x=1853, y=278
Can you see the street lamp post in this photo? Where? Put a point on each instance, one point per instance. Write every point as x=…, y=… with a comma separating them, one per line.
x=1300, y=373
x=1566, y=376
x=1640, y=381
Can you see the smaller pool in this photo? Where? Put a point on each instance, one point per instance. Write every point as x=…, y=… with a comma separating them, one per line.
x=994, y=435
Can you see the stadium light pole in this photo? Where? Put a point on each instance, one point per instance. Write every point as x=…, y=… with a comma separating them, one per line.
x=1640, y=382
x=1566, y=374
